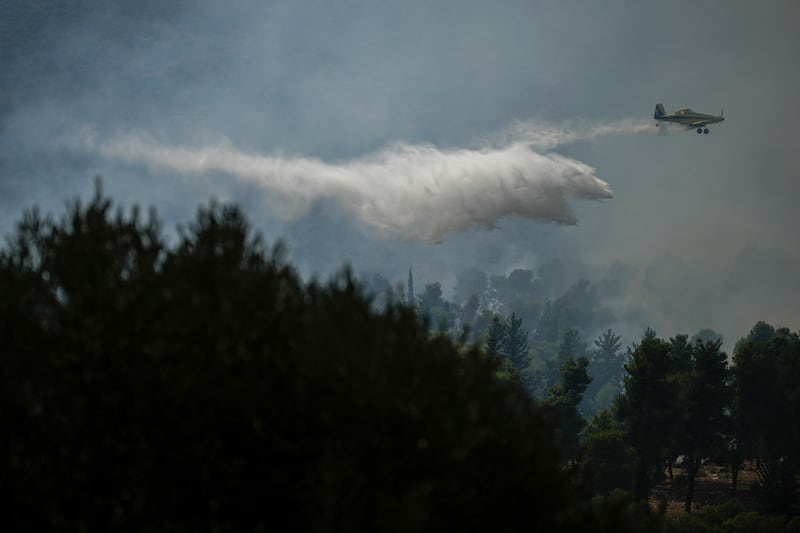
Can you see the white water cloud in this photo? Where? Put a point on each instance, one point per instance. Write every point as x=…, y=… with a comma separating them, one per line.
x=409, y=191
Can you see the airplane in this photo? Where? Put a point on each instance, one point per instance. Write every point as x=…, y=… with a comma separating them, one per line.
x=687, y=118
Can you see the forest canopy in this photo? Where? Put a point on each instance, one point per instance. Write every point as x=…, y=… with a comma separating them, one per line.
x=204, y=385
x=200, y=383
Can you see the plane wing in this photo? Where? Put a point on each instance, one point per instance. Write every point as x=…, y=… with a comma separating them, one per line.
x=699, y=123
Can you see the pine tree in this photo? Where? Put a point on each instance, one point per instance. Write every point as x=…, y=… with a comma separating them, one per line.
x=411, y=300
x=205, y=386
x=565, y=396
x=571, y=346
x=703, y=399
x=766, y=411
x=606, y=366
x=516, y=343
x=646, y=408
x=496, y=337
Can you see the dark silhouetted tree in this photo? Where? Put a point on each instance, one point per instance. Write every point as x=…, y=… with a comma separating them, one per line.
x=606, y=367
x=411, y=298
x=766, y=411
x=703, y=397
x=565, y=396
x=646, y=409
x=611, y=459
x=204, y=386
x=496, y=337
x=516, y=344
x=548, y=328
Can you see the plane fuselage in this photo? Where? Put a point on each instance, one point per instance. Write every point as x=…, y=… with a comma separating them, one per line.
x=687, y=117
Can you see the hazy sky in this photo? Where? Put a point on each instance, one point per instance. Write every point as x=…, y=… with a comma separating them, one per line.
x=363, y=132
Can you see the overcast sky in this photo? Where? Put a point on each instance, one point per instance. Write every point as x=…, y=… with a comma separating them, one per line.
x=438, y=135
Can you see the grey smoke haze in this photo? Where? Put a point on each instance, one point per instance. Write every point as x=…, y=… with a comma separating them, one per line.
x=707, y=225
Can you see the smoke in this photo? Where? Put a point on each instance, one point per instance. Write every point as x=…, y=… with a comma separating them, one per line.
x=549, y=136
x=408, y=191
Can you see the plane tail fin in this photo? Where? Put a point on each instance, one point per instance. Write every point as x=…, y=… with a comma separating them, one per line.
x=660, y=112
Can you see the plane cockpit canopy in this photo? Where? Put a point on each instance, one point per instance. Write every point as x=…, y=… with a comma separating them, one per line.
x=684, y=111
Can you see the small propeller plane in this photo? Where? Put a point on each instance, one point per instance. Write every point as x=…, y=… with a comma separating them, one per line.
x=687, y=118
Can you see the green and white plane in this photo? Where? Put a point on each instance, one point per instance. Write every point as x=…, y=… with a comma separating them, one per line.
x=687, y=117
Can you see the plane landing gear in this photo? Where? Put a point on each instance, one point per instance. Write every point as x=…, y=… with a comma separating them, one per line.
x=705, y=131
x=699, y=130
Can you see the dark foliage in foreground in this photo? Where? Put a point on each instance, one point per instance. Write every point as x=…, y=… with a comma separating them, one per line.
x=205, y=387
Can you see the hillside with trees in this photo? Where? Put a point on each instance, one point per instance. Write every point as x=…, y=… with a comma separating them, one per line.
x=200, y=384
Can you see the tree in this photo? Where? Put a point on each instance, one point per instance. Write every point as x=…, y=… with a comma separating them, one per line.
x=578, y=308
x=766, y=410
x=706, y=334
x=681, y=363
x=609, y=455
x=565, y=396
x=702, y=401
x=410, y=296
x=646, y=407
x=519, y=294
x=432, y=306
x=606, y=366
x=607, y=346
x=571, y=346
x=496, y=337
x=681, y=352
x=469, y=314
x=516, y=344
x=509, y=340
x=548, y=327
x=431, y=297
x=206, y=386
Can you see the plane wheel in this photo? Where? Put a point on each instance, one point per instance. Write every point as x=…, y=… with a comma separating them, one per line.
x=699, y=130
x=705, y=130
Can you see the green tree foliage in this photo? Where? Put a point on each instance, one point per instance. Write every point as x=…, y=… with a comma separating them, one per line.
x=205, y=387
x=496, y=337
x=564, y=398
x=571, y=346
x=681, y=354
x=549, y=358
x=516, y=345
x=706, y=334
x=619, y=511
x=611, y=459
x=703, y=397
x=519, y=293
x=766, y=409
x=608, y=351
x=433, y=307
x=411, y=299
x=578, y=308
x=430, y=298
x=508, y=340
x=606, y=367
x=731, y=517
x=681, y=362
x=646, y=408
